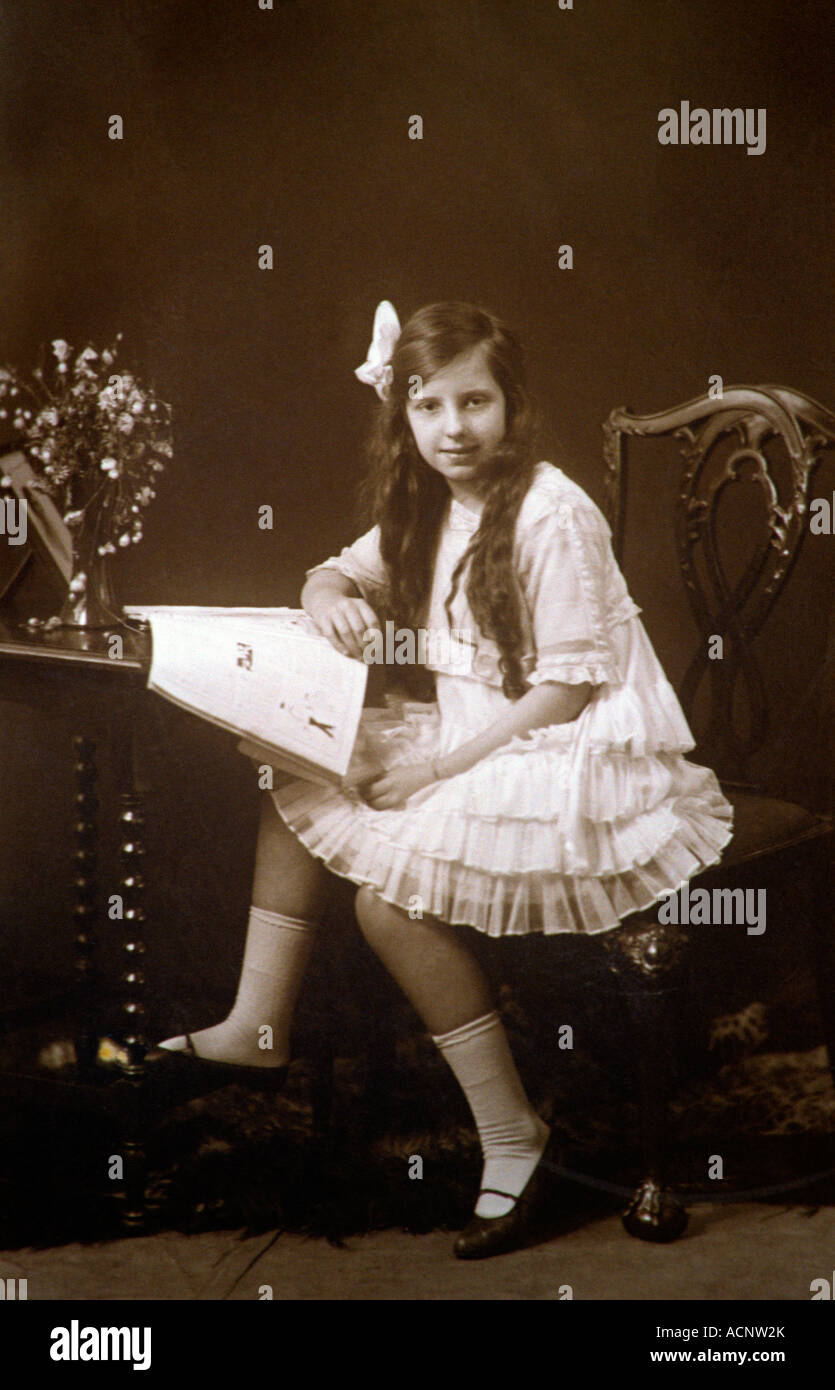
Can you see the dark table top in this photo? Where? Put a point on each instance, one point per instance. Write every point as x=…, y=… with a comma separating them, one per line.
x=72, y=672
x=77, y=648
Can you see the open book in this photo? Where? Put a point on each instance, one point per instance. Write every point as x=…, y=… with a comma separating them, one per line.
x=264, y=673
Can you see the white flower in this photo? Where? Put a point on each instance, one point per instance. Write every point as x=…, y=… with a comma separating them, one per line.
x=88, y=355
x=107, y=358
x=125, y=539
x=126, y=423
x=61, y=349
x=73, y=518
x=49, y=416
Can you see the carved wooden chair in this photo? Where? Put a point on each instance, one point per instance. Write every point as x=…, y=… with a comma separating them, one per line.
x=775, y=438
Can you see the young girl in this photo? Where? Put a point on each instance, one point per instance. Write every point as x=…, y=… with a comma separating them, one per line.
x=544, y=791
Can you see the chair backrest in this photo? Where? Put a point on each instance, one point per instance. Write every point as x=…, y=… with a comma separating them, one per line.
x=738, y=436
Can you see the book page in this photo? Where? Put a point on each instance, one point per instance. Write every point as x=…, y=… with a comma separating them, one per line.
x=266, y=673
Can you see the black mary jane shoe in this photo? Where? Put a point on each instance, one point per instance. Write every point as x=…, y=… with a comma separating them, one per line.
x=498, y=1235
x=189, y=1066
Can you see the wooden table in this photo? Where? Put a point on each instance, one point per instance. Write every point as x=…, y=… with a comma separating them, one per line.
x=96, y=681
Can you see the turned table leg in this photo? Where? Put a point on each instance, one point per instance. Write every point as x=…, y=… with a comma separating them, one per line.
x=132, y=975
x=85, y=890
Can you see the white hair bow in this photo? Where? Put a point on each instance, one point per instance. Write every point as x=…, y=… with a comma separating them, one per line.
x=376, y=370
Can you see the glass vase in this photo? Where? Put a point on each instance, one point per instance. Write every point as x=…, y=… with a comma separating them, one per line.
x=90, y=602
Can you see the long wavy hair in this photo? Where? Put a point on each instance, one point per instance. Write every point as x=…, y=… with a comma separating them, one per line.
x=407, y=498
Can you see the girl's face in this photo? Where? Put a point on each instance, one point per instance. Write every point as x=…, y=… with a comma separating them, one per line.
x=457, y=421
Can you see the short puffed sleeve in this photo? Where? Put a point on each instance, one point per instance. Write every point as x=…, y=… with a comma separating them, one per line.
x=361, y=562
x=565, y=557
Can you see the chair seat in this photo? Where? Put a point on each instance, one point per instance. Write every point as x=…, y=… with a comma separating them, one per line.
x=763, y=825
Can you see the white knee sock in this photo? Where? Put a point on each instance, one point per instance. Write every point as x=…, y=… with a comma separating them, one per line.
x=275, y=957
x=512, y=1135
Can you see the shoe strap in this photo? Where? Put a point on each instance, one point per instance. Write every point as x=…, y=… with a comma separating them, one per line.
x=496, y=1192
x=189, y=1047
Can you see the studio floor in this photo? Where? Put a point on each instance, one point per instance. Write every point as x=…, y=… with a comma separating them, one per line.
x=730, y=1252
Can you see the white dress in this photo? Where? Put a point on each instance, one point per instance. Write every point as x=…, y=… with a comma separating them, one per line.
x=567, y=829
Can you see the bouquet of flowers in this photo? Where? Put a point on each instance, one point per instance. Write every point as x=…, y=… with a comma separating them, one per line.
x=97, y=441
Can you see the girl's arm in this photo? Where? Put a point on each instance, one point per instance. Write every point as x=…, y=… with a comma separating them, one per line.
x=323, y=582
x=341, y=614
x=549, y=703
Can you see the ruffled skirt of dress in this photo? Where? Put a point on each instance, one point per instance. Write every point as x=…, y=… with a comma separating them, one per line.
x=567, y=829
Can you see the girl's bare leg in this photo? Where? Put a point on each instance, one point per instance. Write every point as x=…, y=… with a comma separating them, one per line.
x=287, y=878
x=443, y=980
x=429, y=960
x=288, y=896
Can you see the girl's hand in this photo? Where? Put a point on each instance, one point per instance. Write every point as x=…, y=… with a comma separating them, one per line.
x=394, y=787
x=344, y=621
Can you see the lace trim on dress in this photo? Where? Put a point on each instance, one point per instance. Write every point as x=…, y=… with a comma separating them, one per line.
x=575, y=670
x=525, y=879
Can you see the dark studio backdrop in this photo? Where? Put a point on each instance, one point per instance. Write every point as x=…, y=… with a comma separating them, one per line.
x=290, y=127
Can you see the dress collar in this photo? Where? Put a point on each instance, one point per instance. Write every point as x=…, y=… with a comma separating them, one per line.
x=461, y=518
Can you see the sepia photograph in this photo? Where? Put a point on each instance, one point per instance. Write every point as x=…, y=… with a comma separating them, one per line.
x=417, y=642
